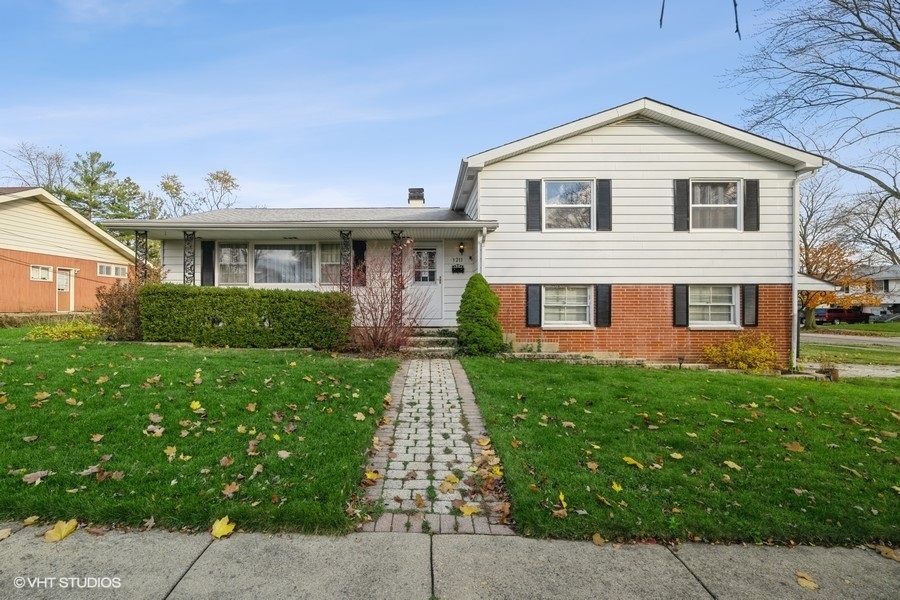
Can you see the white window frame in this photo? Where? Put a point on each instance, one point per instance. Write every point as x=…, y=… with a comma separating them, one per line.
x=323, y=263
x=592, y=189
x=219, y=264
x=548, y=323
x=738, y=205
x=110, y=270
x=734, y=320
x=41, y=270
x=251, y=259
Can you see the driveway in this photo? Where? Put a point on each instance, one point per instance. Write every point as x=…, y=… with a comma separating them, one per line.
x=837, y=339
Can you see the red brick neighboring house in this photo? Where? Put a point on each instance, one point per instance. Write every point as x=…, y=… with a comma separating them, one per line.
x=51, y=258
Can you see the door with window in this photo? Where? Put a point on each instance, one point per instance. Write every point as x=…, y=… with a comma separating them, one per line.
x=427, y=283
x=65, y=290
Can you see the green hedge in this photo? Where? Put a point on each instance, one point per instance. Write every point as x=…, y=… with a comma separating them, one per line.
x=245, y=318
x=477, y=325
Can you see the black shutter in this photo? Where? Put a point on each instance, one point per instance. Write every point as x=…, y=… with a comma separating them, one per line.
x=682, y=205
x=532, y=306
x=207, y=263
x=681, y=305
x=751, y=205
x=533, y=205
x=750, y=305
x=604, y=205
x=603, y=306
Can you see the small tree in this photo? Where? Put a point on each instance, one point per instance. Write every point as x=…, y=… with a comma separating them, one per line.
x=375, y=328
x=477, y=325
x=117, y=304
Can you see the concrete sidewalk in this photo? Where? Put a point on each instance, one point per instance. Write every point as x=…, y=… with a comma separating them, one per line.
x=158, y=565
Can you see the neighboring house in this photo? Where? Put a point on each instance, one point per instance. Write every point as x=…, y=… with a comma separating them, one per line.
x=51, y=258
x=642, y=231
x=884, y=281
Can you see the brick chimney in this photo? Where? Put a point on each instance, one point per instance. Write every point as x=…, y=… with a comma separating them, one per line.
x=416, y=196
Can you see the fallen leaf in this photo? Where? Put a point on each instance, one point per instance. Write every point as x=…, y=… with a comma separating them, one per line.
x=155, y=418
x=222, y=528
x=31, y=520
x=794, y=447
x=5, y=533
x=561, y=513
x=805, y=580
x=616, y=487
x=693, y=435
x=631, y=461
x=96, y=437
x=229, y=489
x=887, y=552
x=251, y=407
x=452, y=479
x=420, y=501
x=36, y=477
x=226, y=461
x=60, y=531
x=102, y=379
x=732, y=465
x=373, y=475
x=598, y=539
x=562, y=500
x=515, y=443
x=854, y=471
x=359, y=416
x=469, y=510
x=568, y=424
x=170, y=452
x=29, y=438
x=676, y=456
x=446, y=487
x=256, y=471
x=592, y=466
x=283, y=454
x=195, y=405
x=484, y=441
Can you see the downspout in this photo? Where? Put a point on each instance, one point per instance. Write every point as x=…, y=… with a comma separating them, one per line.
x=795, y=268
x=480, y=263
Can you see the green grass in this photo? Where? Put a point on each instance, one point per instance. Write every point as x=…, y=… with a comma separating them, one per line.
x=857, y=355
x=841, y=489
x=878, y=329
x=64, y=393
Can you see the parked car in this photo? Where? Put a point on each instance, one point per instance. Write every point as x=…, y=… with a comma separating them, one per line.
x=842, y=315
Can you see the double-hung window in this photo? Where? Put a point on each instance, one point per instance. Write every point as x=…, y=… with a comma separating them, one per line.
x=713, y=305
x=566, y=305
x=568, y=204
x=330, y=264
x=233, y=264
x=714, y=204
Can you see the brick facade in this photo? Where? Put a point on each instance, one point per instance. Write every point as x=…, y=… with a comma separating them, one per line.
x=642, y=325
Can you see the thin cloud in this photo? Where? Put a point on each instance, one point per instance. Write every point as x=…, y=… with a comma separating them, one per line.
x=119, y=13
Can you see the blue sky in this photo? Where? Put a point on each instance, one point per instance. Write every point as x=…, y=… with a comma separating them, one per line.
x=316, y=104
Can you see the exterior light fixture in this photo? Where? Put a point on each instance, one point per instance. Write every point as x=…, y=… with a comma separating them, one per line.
x=462, y=247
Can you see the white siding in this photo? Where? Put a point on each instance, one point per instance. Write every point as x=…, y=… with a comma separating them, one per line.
x=173, y=262
x=472, y=205
x=30, y=226
x=642, y=159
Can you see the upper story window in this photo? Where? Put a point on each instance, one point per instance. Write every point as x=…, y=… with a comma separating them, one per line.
x=112, y=270
x=281, y=263
x=41, y=273
x=714, y=204
x=568, y=204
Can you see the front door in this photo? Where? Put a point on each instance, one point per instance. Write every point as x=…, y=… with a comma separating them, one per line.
x=428, y=282
x=65, y=290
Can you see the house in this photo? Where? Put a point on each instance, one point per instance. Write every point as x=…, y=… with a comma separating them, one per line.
x=51, y=258
x=885, y=282
x=642, y=231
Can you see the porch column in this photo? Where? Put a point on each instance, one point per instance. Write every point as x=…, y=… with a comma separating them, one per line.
x=396, y=315
x=190, y=256
x=346, y=261
x=140, y=255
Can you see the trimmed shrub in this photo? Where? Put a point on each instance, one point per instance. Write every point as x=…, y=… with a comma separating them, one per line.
x=747, y=351
x=117, y=304
x=477, y=324
x=71, y=330
x=244, y=317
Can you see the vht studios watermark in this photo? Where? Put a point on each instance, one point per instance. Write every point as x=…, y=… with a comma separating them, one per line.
x=67, y=582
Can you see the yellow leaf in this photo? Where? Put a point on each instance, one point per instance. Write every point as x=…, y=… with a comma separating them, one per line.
x=693, y=435
x=61, y=530
x=533, y=487
x=616, y=487
x=5, y=533
x=598, y=539
x=359, y=416
x=195, y=405
x=515, y=443
x=184, y=457
x=241, y=429
x=676, y=456
x=732, y=465
x=562, y=500
x=631, y=461
x=446, y=487
x=497, y=471
x=420, y=501
x=276, y=437
x=222, y=528
x=170, y=452
x=451, y=478
x=568, y=424
x=30, y=520
x=794, y=447
x=469, y=510
x=373, y=475
x=805, y=580
x=484, y=441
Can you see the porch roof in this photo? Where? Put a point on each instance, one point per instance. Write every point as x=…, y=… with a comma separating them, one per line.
x=310, y=223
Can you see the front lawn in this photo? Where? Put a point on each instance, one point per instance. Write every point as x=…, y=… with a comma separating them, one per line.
x=876, y=329
x=124, y=433
x=690, y=455
x=856, y=355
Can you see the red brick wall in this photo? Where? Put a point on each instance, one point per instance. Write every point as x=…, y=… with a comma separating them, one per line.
x=642, y=324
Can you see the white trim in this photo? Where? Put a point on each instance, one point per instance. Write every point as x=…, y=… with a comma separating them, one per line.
x=589, y=307
x=736, y=308
x=592, y=219
x=738, y=206
x=48, y=269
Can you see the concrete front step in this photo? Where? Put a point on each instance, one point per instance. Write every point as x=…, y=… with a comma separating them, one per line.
x=428, y=351
x=429, y=341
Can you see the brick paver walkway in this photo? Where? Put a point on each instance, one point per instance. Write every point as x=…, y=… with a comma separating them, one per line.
x=433, y=457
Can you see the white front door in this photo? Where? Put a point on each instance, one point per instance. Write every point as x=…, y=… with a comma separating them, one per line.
x=65, y=290
x=427, y=282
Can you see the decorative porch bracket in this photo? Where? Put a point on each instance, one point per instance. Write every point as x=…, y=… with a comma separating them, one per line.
x=141, y=255
x=396, y=279
x=190, y=257
x=346, y=261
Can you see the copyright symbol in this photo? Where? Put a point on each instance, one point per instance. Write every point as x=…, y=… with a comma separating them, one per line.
x=19, y=582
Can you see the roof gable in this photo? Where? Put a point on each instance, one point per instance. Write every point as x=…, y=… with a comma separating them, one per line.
x=645, y=108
